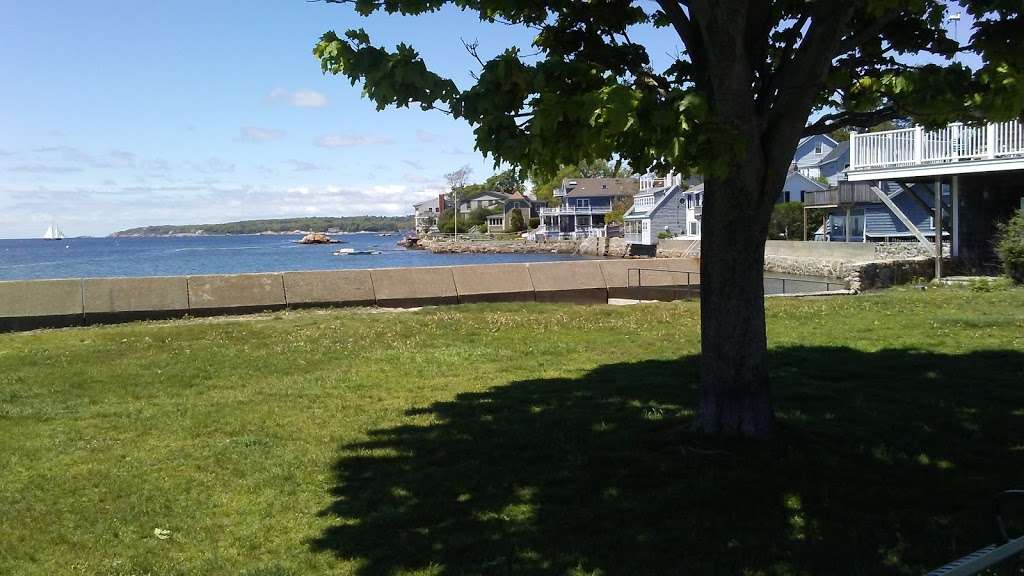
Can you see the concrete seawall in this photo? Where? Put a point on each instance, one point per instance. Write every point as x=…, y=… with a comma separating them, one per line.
x=29, y=304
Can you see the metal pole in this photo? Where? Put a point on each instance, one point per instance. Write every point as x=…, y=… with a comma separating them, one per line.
x=938, y=228
x=954, y=248
x=455, y=194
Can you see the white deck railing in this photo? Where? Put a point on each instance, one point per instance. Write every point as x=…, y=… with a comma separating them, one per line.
x=917, y=146
x=575, y=210
x=649, y=181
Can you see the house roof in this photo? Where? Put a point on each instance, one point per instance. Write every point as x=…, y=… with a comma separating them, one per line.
x=475, y=195
x=667, y=193
x=431, y=202
x=806, y=138
x=799, y=176
x=577, y=187
x=836, y=153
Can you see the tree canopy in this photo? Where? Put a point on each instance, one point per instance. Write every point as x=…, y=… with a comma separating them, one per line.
x=593, y=93
x=752, y=78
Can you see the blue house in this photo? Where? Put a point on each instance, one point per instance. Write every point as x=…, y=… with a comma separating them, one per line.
x=820, y=156
x=584, y=204
x=796, y=188
x=856, y=212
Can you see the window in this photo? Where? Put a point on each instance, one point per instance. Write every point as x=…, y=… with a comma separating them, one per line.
x=818, y=148
x=785, y=196
x=583, y=202
x=693, y=228
x=690, y=200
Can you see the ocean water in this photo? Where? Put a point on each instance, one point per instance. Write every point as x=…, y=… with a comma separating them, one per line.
x=175, y=256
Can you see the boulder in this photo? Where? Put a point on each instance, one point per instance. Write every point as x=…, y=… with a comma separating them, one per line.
x=316, y=238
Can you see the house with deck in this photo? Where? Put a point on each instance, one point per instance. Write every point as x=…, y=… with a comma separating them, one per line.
x=426, y=213
x=584, y=204
x=949, y=184
x=663, y=206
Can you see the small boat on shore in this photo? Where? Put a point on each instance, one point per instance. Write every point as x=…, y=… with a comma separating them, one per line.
x=354, y=252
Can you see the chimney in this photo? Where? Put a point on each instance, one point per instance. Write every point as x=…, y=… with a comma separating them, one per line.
x=440, y=202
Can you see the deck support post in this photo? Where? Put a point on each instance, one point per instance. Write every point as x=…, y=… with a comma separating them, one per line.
x=954, y=205
x=938, y=228
x=846, y=231
x=805, y=224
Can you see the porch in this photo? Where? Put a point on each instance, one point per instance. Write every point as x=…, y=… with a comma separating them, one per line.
x=955, y=149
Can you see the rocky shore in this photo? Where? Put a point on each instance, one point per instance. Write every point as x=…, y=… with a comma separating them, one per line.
x=499, y=246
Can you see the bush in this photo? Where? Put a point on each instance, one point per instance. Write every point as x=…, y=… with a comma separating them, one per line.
x=515, y=223
x=787, y=221
x=1010, y=247
x=534, y=223
x=664, y=234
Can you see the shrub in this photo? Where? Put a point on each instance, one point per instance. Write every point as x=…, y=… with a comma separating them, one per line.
x=534, y=223
x=515, y=223
x=1010, y=247
x=664, y=234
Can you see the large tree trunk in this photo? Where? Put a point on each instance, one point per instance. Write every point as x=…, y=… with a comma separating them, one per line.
x=735, y=396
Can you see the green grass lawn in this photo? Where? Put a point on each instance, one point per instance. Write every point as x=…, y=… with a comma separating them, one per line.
x=508, y=439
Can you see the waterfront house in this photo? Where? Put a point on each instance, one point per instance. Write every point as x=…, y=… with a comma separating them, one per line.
x=797, y=186
x=427, y=212
x=663, y=206
x=820, y=156
x=525, y=205
x=584, y=204
x=904, y=182
x=854, y=212
x=482, y=199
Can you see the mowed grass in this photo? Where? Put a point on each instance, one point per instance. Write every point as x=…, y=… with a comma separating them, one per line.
x=508, y=439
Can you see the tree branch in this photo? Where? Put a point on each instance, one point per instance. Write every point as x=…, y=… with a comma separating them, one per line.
x=831, y=122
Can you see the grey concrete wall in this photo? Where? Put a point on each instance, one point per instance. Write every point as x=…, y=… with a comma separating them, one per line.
x=493, y=283
x=652, y=279
x=410, y=287
x=235, y=293
x=40, y=304
x=329, y=287
x=577, y=282
x=850, y=251
x=53, y=303
x=120, y=299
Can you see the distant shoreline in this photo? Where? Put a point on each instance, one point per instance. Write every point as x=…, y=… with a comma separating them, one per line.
x=280, y=226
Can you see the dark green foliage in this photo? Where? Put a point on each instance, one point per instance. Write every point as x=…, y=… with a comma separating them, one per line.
x=515, y=221
x=314, y=224
x=1010, y=247
x=664, y=234
x=534, y=223
x=619, y=209
x=593, y=95
x=787, y=222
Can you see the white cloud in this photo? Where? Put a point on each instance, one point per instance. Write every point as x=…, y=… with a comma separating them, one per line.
x=304, y=98
x=350, y=140
x=257, y=134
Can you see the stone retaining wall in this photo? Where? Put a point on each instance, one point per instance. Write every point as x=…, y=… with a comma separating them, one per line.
x=32, y=304
x=522, y=246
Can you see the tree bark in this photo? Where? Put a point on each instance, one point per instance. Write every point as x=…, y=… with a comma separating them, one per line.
x=735, y=394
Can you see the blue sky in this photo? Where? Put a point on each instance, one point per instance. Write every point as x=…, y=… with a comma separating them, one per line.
x=117, y=114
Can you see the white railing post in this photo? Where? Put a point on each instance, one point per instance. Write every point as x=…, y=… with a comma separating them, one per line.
x=990, y=136
x=918, y=144
x=853, y=149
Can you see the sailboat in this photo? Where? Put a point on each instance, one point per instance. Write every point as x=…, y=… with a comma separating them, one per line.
x=53, y=233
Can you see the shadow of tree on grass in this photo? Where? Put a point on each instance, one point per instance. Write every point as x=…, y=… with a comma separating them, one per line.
x=884, y=464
